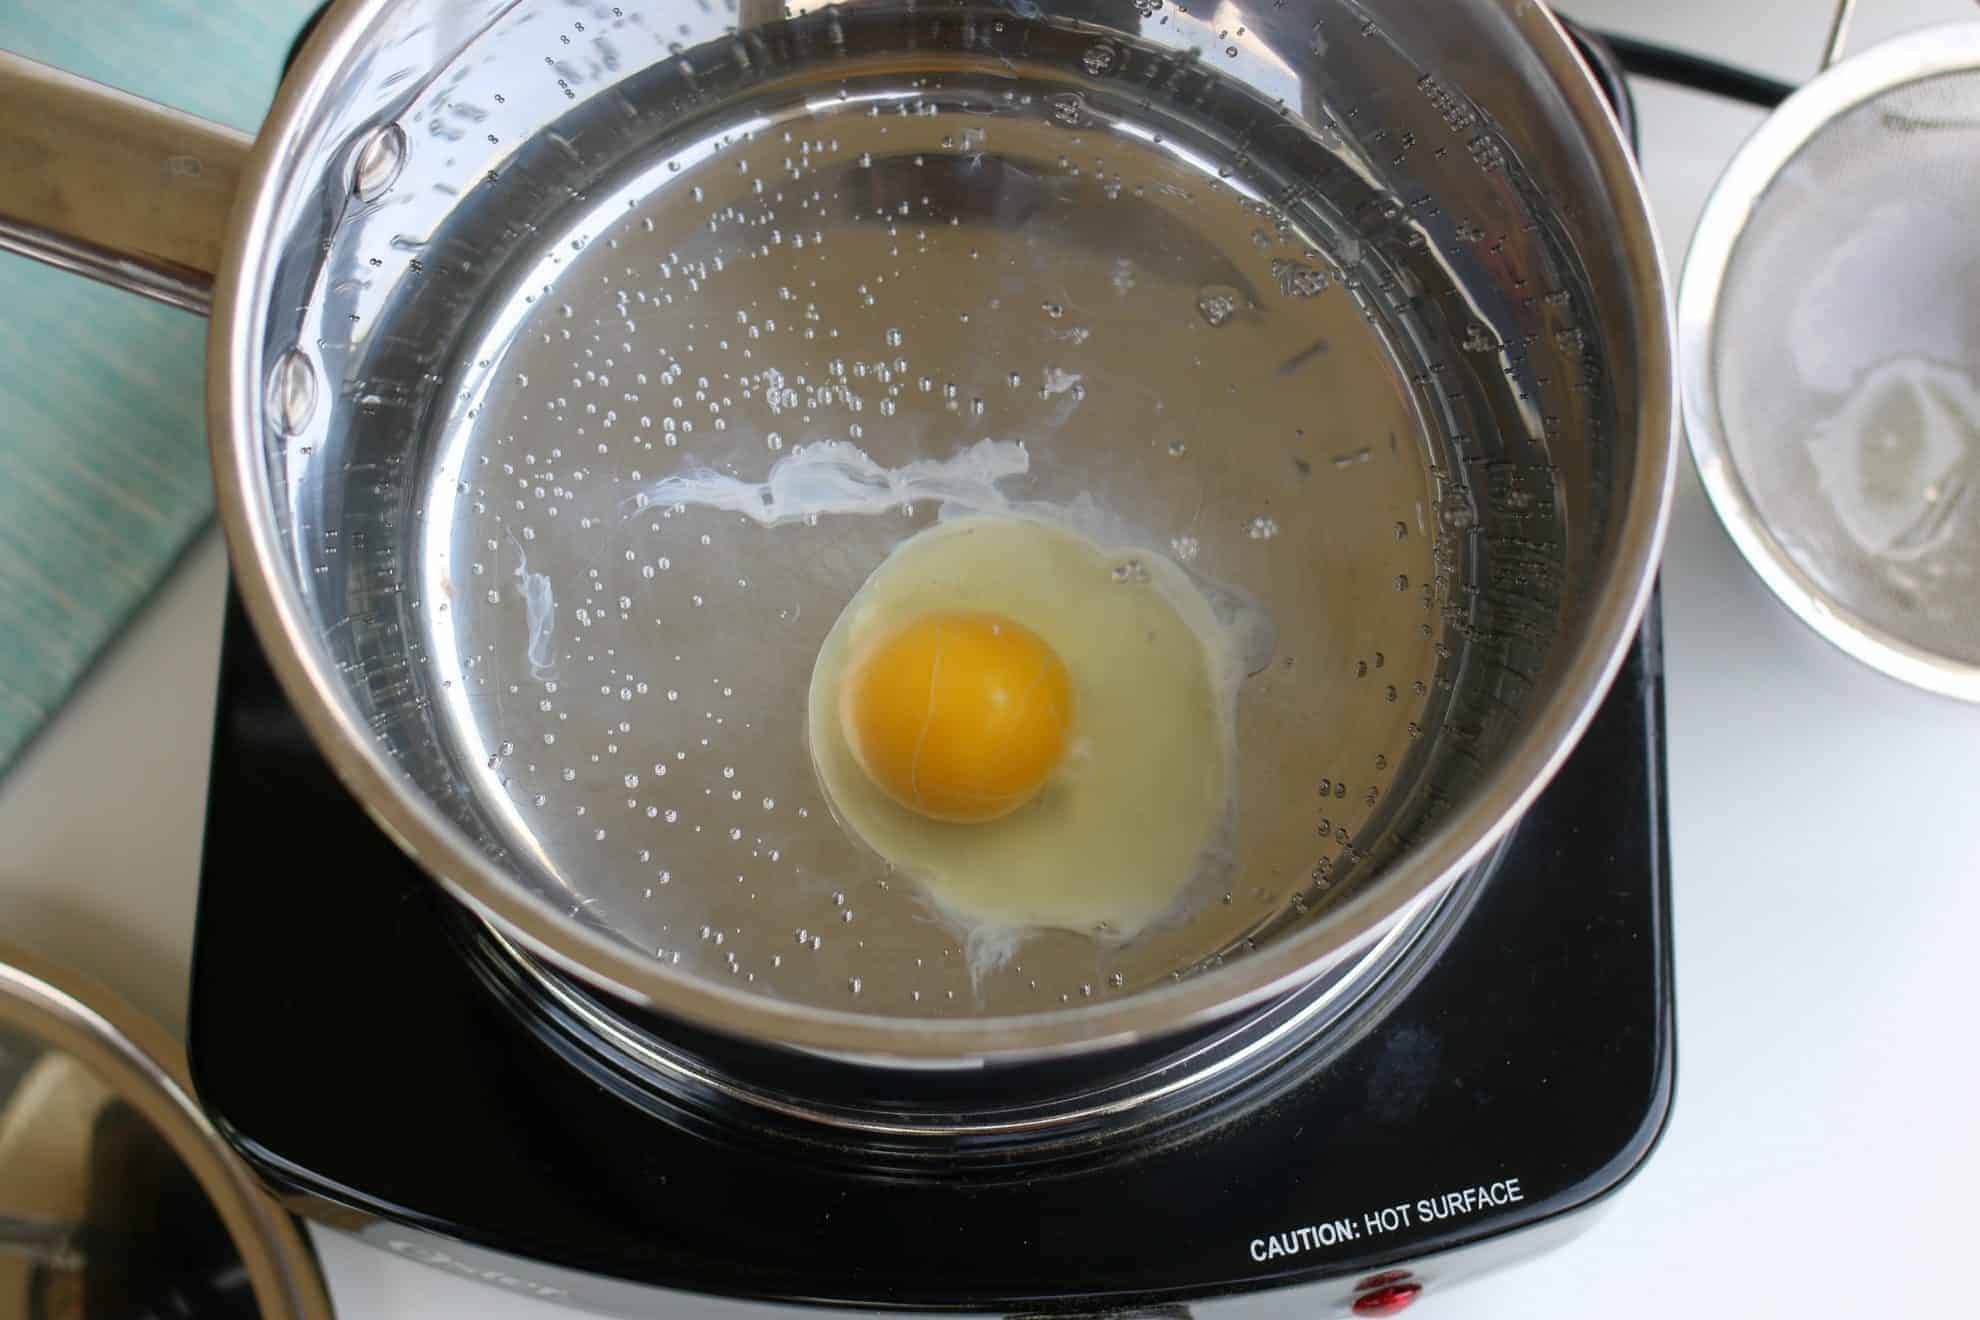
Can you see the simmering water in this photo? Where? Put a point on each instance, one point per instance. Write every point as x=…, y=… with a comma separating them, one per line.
x=1218, y=345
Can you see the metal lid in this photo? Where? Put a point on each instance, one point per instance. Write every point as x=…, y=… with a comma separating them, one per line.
x=116, y=1193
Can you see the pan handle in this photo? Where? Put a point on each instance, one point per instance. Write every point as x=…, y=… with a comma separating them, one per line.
x=113, y=186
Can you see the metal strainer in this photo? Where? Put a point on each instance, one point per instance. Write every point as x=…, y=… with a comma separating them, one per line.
x=1829, y=339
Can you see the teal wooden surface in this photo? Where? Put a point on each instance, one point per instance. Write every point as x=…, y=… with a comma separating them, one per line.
x=103, y=468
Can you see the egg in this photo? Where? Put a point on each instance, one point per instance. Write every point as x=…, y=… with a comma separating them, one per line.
x=1023, y=709
x=1034, y=727
x=960, y=717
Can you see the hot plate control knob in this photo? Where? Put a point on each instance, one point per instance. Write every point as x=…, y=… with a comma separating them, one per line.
x=1387, y=1298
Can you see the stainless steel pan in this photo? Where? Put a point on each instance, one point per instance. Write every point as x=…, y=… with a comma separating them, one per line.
x=1353, y=306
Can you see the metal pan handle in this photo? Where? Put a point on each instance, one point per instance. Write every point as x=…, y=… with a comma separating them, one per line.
x=113, y=186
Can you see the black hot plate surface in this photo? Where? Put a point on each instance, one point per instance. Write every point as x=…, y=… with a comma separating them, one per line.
x=352, y=1055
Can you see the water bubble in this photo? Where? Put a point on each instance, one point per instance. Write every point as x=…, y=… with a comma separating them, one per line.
x=1098, y=59
x=1217, y=304
x=1262, y=528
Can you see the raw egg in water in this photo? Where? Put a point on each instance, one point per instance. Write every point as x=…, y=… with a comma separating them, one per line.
x=1037, y=728
x=1032, y=719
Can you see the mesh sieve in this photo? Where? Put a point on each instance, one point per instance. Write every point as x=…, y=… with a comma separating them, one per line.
x=1830, y=338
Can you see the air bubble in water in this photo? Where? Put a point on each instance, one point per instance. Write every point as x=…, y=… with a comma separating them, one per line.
x=1217, y=304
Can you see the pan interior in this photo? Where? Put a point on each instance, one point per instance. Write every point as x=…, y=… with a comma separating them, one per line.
x=1257, y=350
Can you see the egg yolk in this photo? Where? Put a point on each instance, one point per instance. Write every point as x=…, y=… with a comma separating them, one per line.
x=960, y=717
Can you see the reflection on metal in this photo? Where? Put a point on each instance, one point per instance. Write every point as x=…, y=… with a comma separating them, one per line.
x=378, y=163
x=292, y=392
x=992, y=1125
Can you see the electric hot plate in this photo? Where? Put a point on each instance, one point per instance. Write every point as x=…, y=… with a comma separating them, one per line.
x=393, y=1070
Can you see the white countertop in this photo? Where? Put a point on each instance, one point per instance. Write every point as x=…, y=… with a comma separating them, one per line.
x=1825, y=847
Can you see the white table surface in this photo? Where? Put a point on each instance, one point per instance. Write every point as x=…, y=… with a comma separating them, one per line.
x=1825, y=847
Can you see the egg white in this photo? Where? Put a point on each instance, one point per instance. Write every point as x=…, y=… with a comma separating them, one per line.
x=1141, y=805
